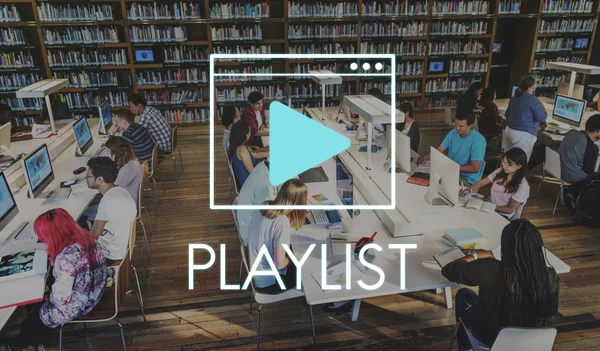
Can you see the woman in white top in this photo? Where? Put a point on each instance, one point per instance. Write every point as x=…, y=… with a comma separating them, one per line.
x=130, y=172
x=272, y=229
x=510, y=189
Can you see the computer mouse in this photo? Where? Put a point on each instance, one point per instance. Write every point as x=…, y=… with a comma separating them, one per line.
x=79, y=170
x=70, y=182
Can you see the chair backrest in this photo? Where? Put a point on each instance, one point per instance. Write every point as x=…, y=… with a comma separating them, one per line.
x=174, y=139
x=234, y=212
x=448, y=116
x=143, y=185
x=154, y=162
x=132, y=237
x=552, y=163
x=232, y=174
x=539, y=339
x=476, y=344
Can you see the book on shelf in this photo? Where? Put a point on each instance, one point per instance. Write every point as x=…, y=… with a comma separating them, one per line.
x=394, y=29
x=16, y=59
x=155, y=11
x=16, y=81
x=395, y=8
x=567, y=6
x=185, y=54
x=310, y=31
x=246, y=32
x=506, y=7
x=18, y=265
x=157, y=34
x=236, y=10
x=49, y=12
x=303, y=9
x=81, y=35
x=12, y=36
x=330, y=48
x=9, y=13
x=459, y=27
x=86, y=57
x=475, y=7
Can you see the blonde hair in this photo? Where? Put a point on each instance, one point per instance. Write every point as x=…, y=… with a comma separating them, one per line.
x=292, y=192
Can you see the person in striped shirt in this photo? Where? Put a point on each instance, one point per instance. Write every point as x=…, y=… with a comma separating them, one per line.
x=153, y=121
x=136, y=134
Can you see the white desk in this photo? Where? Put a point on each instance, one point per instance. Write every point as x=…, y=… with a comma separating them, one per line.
x=574, y=68
x=29, y=209
x=43, y=89
x=324, y=78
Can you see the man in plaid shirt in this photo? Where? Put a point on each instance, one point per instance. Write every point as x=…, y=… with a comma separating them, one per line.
x=153, y=121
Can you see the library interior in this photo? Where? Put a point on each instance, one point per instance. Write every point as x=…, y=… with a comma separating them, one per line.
x=437, y=160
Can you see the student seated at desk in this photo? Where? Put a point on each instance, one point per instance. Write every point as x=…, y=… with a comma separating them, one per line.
x=466, y=102
x=518, y=291
x=465, y=146
x=489, y=119
x=130, y=171
x=116, y=209
x=153, y=121
x=578, y=156
x=410, y=126
x=243, y=157
x=272, y=228
x=229, y=117
x=136, y=134
x=76, y=279
x=60, y=110
x=256, y=118
x=510, y=189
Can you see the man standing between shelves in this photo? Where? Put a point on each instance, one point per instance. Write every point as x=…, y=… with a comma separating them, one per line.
x=153, y=121
x=256, y=118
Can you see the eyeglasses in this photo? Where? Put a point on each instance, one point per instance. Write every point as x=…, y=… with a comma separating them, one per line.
x=89, y=176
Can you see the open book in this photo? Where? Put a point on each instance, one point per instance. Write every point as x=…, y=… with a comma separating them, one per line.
x=22, y=264
x=480, y=205
x=444, y=258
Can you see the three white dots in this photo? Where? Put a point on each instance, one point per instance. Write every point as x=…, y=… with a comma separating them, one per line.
x=366, y=66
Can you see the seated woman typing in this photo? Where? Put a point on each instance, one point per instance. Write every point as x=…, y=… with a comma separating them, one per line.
x=519, y=290
x=130, y=171
x=76, y=282
x=510, y=189
x=243, y=157
x=272, y=228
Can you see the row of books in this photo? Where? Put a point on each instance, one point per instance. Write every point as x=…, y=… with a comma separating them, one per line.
x=506, y=7
x=330, y=48
x=554, y=44
x=234, y=33
x=405, y=48
x=89, y=79
x=469, y=7
x=185, y=54
x=468, y=66
x=552, y=81
x=301, y=104
x=157, y=34
x=172, y=76
x=308, y=31
x=16, y=81
x=17, y=104
x=449, y=85
x=456, y=47
x=322, y=9
x=58, y=13
x=410, y=68
x=168, y=97
x=241, y=94
x=459, y=27
x=23, y=121
x=540, y=63
x=394, y=8
x=194, y=115
x=9, y=13
x=266, y=70
x=567, y=6
x=16, y=59
x=11, y=36
x=576, y=25
x=154, y=11
x=313, y=90
x=394, y=29
x=439, y=103
x=81, y=35
x=87, y=57
x=242, y=50
x=236, y=10
x=88, y=100
x=333, y=67
x=403, y=87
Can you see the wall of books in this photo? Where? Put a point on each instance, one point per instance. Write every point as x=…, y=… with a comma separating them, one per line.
x=108, y=48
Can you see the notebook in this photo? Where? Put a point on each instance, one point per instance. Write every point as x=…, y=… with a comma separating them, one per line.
x=481, y=205
x=314, y=175
x=448, y=256
x=465, y=238
x=417, y=181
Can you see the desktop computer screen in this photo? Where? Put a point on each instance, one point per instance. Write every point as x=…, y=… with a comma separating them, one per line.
x=514, y=90
x=444, y=176
x=497, y=48
x=5, y=135
x=436, y=66
x=8, y=206
x=105, y=116
x=144, y=55
x=83, y=135
x=344, y=184
x=403, y=152
x=38, y=170
x=568, y=110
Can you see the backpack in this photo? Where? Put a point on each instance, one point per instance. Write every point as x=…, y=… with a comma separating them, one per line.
x=587, y=206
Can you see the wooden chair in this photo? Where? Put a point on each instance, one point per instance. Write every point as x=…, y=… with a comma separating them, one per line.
x=143, y=185
x=172, y=153
x=108, y=307
x=146, y=184
x=232, y=180
x=154, y=167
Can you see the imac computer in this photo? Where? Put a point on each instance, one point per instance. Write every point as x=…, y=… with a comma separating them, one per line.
x=5, y=143
x=8, y=206
x=344, y=184
x=38, y=171
x=403, y=152
x=514, y=90
x=443, y=180
x=81, y=129
x=105, y=118
x=568, y=110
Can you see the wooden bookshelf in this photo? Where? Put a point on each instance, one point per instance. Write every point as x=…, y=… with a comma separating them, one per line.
x=197, y=25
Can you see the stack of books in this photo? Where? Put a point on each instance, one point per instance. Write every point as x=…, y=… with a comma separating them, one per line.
x=465, y=238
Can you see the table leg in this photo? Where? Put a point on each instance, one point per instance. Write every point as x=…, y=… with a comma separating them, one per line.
x=448, y=293
x=572, y=82
x=355, y=310
x=323, y=100
x=369, y=143
x=50, y=114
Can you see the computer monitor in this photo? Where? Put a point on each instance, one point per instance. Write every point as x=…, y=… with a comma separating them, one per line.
x=563, y=89
x=83, y=135
x=8, y=206
x=5, y=135
x=403, y=151
x=105, y=117
x=436, y=66
x=443, y=179
x=144, y=55
x=38, y=171
x=514, y=90
x=344, y=184
x=582, y=43
x=568, y=110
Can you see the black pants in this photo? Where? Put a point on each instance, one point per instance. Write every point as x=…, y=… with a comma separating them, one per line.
x=465, y=309
x=289, y=280
x=576, y=188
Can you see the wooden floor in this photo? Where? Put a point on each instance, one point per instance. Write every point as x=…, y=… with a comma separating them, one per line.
x=210, y=319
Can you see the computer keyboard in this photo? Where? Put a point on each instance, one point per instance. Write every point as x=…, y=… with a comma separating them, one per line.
x=24, y=232
x=60, y=194
x=320, y=216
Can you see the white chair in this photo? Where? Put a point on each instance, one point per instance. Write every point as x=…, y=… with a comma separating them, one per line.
x=552, y=166
x=232, y=179
x=143, y=186
x=172, y=153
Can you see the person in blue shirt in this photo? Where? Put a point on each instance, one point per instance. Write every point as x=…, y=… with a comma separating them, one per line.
x=465, y=146
x=524, y=114
x=243, y=157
